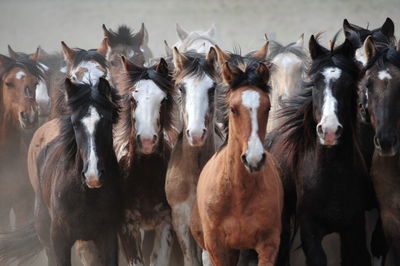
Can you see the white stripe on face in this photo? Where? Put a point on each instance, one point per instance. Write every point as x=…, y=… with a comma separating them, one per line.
x=90, y=121
x=20, y=75
x=255, y=149
x=148, y=97
x=42, y=97
x=197, y=103
x=91, y=76
x=329, y=120
x=384, y=74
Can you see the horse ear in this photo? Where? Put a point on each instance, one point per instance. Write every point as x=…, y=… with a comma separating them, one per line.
x=70, y=88
x=347, y=49
x=103, y=48
x=69, y=53
x=300, y=41
x=263, y=71
x=4, y=61
x=12, y=53
x=104, y=88
x=212, y=56
x=129, y=66
x=182, y=33
x=347, y=28
x=222, y=56
x=168, y=50
x=35, y=56
x=212, y=32
x=316, y=50
x=162, y=67
x=179, y=59
x=106, y=32
x=146, y=35
x=262, y=52
x=370, y=49
x=388, y=28
x=139, y=36
x=229, y=74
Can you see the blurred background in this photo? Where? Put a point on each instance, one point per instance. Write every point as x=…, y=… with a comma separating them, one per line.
x=25, y=24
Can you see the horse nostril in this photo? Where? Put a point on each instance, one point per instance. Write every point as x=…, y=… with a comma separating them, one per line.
x=155, y=138
x=187, y=133
x=263, y=157
x=243, y=158
x=23, y=115
x=339, y=131
x=204, y=132
x=319, y=130
x=376, y=142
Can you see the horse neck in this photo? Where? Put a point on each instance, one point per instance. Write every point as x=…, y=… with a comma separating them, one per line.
x=10, y=134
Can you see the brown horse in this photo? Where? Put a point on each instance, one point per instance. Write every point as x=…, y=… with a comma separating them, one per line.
x=197, y=79
x=143, y=154
x=382, y=82
x=239, y=193
x=18, y=118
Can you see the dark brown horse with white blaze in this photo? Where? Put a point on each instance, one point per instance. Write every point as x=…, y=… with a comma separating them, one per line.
x=382, y=81
x=326, y=181
x=78, y=191
x=18, y=119
x=143, y=154
x=239, y=192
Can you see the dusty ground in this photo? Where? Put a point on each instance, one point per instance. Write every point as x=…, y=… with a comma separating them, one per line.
x=25, y=24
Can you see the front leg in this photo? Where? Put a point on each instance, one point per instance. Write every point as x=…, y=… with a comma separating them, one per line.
x=353, y=246
x=162, y=245
x=62, y=244
x=311, y=239
x=107, y=246
x=131, y=242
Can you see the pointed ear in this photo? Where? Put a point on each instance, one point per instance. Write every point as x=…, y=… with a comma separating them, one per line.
x=42, y=53
x=222, y=56
x=146, y=35
x=69, y=53
x=106, y=32
x=229, y=74
x=347, y=49
x=12, y=53
x=168, y=50
x=262, y=52
x=212, y=32
x=104, y=88
x=369, y=47
x=139, y=36
x=129, y=66
x=263, y=71
x=35, y=56
x=300, y=41
x=179, y=59
x=316, y=50
x=70, y=88
x=388, y=28
x=162, y=67
x=4, y=61
x=182, y=33
x=211, y=57
x=347, y=28
x=103, y=48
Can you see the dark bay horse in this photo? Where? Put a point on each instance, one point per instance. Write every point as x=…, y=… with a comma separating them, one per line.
x=78, y=192
x=325, y=177
x=239, y=192
x=18, y=119
x=143, y=154
x=382, y=82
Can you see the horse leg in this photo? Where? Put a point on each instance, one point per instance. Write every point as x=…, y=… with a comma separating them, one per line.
x=107, y=247
x=284, y=249
x=268, y=250
x=61, y=244
x=353, y=246
x=311, y=240
x=205, y=256
x=162, y=245
x=131, y=242
x=181, y=216
x=88, y=253
x=42, y=226
x=221, y=257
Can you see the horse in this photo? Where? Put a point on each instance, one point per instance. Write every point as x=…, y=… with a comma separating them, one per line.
x=382, y=81
x=324, y=174
x=133, y=46
x=18, y=119
x=196, y=78
x=143, y=154
x=198, y=41
x=78, y=186
x=289, y=65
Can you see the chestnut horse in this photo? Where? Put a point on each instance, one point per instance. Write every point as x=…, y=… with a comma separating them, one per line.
x=18, y=119
x=239, y=193
x=78, y=187
x=143, y=154
x=325, y=177
x=196, y=78
x=382, y=81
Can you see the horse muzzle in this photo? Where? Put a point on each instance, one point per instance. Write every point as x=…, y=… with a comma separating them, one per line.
x=329, y=136
x=28, y=119
x=253, y=164
x=196, y=139
x=147, y=145
x=387, y=146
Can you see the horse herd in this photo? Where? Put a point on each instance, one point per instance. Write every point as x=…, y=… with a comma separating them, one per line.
x=229, y=154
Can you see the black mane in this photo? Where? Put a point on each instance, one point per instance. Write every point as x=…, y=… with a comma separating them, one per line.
x=123, y=36
x=87, y=55
x=197, y=66
x=31, y=66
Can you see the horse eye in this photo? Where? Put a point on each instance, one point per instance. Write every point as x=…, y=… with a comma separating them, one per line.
x=9, y=84
x=182, y=89
x=233, y=111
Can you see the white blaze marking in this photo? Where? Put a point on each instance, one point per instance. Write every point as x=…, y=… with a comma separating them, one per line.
x=90, y=121
x=285, y=66
x=360, y=56
x=131, y=53
x=148, y=96
x=255, y=149
x=329, y=118
x=20, y=74
x=384, y=74
x=42, y=97
x=63, y=69
x=91, y=76
x=197, y=103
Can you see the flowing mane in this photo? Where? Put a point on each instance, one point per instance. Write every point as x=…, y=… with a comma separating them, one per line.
x=123, y=36
x=384, y=56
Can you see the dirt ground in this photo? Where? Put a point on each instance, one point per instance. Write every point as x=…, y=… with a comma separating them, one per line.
x=25, y=24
